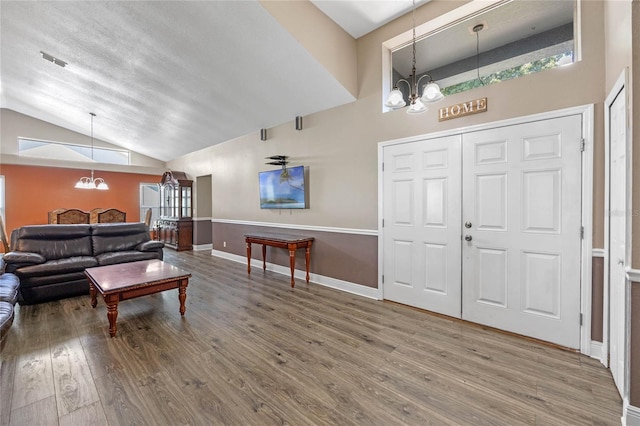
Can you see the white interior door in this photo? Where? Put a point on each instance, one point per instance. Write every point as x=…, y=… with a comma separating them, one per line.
x=522, y=205
x=617, y=237
x=421, y=211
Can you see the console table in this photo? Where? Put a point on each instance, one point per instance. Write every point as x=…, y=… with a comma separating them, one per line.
x=290, y=242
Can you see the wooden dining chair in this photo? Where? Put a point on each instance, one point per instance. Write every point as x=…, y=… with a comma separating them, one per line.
x=3, y=236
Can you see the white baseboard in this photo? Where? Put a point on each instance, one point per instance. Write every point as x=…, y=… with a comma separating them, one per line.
x=631, y=416
x=202, y=247
x=349, y=287
x=596, y=351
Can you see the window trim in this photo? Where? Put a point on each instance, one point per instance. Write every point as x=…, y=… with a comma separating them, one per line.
x=449, y=19
x=123, y=151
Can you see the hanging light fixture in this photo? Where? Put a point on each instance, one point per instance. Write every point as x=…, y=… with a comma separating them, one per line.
x=91, y=182
x=431, y=92
x=477, y=30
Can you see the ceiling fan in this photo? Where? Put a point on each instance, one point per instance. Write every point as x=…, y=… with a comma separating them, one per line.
x=279, y=160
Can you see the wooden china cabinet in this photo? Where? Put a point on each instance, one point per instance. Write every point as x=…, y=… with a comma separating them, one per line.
x=175, y=225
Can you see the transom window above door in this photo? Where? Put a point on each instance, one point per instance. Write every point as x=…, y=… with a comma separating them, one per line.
x=505, y=40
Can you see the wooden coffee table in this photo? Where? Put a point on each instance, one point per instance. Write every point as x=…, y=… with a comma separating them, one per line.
x=125, y=281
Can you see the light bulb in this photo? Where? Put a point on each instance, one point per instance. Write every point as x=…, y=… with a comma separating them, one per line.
x=431, y=93
x=395, y=99
x=417, y=107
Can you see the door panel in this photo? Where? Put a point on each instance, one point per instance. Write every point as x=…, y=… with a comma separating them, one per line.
x=421, y=243
x=491, y=201
x=522, y=195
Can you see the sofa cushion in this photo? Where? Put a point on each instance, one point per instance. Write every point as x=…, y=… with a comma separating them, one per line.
x=112, y=237
x=8, y=294
x=9, y=284
x=124, y=256
x=53, y=242
x=58, y=266
x=6, y=318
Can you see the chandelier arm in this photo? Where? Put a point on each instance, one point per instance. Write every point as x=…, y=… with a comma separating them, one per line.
x=421, y=77
x=412, y=87
x=404, y=80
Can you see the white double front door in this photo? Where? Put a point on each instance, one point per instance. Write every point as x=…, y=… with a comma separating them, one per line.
x=486, y=226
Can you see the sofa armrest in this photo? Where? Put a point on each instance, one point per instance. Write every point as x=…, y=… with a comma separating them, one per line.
x=150, y=246
x=23, y=257
x=17, y=259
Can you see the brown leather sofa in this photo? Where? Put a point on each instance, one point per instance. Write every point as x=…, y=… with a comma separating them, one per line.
x=50, y=260
x=9, y=284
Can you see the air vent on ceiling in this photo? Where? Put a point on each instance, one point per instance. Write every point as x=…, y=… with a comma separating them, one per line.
x=53, y=59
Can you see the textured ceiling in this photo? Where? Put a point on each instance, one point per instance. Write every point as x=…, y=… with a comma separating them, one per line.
x=164, y=78
x=170, y=77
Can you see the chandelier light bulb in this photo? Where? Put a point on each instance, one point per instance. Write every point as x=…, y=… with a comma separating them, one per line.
x=431, y=93
x=417, y=107
x=395, y=99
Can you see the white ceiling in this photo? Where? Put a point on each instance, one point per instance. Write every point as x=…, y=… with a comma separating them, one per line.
x=164, y=78
x=359, y=17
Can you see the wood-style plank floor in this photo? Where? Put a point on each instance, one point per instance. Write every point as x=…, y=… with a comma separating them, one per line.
x=253, y=351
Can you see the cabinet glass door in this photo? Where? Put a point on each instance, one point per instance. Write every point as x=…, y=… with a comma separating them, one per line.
x=186, y=201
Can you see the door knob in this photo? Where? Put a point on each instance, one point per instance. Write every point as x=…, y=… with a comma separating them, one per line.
x=620, y=262
x=467, y=224
x=468, y=237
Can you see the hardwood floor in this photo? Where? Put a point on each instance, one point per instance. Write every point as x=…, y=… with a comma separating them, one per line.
x=253, y=351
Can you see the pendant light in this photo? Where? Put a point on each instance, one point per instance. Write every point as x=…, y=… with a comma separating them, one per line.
x=91, y=182
x=477, y=30
x=431, y=92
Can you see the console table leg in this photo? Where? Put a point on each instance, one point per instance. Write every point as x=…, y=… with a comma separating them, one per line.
x=93, y=292
x=292, y=263
x=264, y=257
x=307, y=256
x=248, y=258
x=182, y=296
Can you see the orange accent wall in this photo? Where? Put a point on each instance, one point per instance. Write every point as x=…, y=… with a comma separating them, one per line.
x=32, y=191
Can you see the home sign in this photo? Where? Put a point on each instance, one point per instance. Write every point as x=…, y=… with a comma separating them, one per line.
x=460, y=110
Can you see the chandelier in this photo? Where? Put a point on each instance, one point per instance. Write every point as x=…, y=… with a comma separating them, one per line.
x=431, y=92
x=91, y=182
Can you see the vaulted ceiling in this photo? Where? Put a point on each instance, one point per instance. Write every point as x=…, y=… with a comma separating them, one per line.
x=168, y=78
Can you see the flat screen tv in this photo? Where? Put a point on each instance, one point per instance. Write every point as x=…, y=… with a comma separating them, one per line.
x=283, y=188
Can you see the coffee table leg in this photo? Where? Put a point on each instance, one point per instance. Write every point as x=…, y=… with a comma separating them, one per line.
x=112, y=314
x=182, y=296
x=93, y=292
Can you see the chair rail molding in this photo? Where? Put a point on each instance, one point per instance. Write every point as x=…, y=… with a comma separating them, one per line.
x=372, y=232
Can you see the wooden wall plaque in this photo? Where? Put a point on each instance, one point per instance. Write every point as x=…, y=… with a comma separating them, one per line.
x=460, y=110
